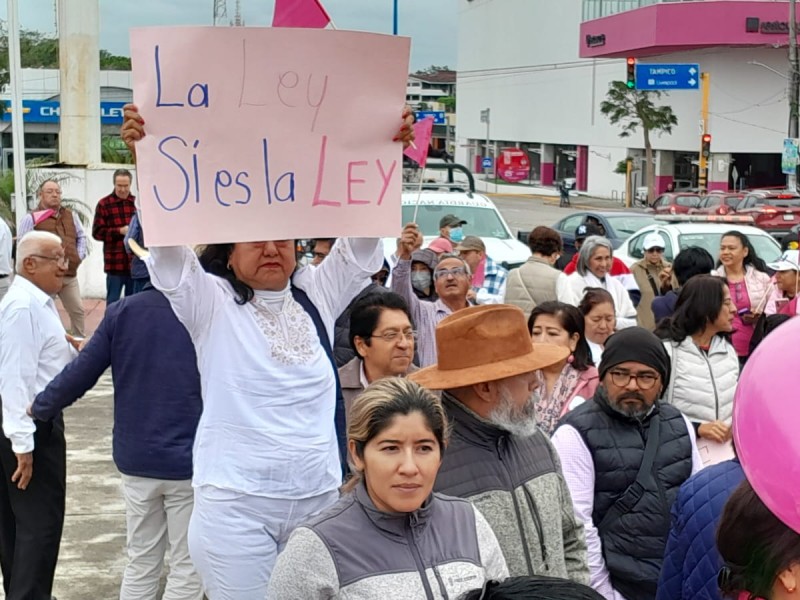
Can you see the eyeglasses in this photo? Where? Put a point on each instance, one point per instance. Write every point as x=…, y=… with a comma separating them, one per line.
x=455, y=272
x=393, y=336
x=61, y=261
x=658, y=250
x=644, y=381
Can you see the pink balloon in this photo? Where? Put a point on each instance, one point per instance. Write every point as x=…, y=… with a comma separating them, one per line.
x=766, y=414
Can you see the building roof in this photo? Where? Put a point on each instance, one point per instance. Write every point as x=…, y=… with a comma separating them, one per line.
x=436, y=77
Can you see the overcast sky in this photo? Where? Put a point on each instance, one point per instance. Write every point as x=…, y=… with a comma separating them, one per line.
x=430, y=23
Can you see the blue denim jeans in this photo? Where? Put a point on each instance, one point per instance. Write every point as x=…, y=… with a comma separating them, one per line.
x=115, y=284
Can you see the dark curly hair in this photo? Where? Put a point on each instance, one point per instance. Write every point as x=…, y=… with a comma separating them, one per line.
x=214, y=259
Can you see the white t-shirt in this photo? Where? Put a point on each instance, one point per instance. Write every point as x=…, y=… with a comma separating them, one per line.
x=269, y=391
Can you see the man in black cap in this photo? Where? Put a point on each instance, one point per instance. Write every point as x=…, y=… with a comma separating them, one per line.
x=569, y=261
x=624, y=457
x=450, y=232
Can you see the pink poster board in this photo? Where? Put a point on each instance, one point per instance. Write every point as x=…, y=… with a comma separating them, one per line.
x=258, y=134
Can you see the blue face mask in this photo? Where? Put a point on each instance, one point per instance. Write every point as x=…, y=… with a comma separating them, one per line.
x=456, y=234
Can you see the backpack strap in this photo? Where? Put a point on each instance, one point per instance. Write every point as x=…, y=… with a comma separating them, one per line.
x=631, y=496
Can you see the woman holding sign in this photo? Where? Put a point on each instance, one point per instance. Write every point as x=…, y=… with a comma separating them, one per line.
x=265, y=456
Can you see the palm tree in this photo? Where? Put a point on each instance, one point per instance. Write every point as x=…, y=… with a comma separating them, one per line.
x=633, y=109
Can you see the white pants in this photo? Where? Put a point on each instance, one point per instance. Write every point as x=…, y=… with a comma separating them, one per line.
x=235, y=538
x=158, y=512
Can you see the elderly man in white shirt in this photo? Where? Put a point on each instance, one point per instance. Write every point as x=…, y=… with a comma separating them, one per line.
x=33, y=349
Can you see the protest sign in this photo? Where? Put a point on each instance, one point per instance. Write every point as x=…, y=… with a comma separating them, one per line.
x=256, y=134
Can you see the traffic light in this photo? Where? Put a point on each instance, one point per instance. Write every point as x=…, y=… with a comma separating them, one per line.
x=706, y=146
x=631, y=82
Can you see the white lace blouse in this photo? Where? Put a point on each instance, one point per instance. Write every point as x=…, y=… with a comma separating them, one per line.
x=269, y=391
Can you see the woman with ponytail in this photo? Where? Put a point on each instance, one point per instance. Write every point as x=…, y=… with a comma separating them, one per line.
x=389, y=531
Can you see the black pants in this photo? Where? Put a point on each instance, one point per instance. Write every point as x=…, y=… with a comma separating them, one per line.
x=31, y=521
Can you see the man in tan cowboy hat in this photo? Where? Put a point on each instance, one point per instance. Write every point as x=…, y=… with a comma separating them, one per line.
x=497, y=457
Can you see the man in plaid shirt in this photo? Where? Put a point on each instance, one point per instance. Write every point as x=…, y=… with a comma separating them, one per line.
x=488, y=277
x=111, y=220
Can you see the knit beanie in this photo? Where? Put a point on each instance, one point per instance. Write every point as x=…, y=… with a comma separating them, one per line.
x=636, y=344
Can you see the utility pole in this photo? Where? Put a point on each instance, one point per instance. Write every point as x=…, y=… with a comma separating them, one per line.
x=486, y=118
x=17, y=127
x=794, y=87
x=396, y=18
x=702, y=167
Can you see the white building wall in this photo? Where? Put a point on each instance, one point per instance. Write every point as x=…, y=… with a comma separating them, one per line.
x=520, y=59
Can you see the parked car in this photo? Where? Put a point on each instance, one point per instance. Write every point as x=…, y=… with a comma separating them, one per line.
x=675, y=203
x=718, y=203
x=459, y=198
x=617, y=225
x=774, y=211
x=681, y=231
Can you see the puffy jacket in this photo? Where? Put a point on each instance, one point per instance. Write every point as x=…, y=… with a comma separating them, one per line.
x=357, y=552
x=691, y=560
x=702, y=386
x=757, y=283
x=518, y=486
x=532, y=284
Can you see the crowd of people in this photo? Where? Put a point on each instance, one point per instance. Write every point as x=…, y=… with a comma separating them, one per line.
x=420, y=423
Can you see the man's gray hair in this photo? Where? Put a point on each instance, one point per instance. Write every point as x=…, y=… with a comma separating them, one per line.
x=40, y=189
x=447, y=255
x=592, y=243
x=31, y=243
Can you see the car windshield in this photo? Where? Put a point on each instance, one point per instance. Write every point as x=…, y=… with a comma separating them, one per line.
x=627, y=225
x=766, y=247
x=690, y=201
x=732, y=201
x=483, y=222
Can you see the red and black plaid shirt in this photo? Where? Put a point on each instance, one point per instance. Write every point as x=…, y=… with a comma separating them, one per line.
x=111, y=214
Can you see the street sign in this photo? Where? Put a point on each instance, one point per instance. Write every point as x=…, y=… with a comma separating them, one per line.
x=437, y=116
x=487, y=162
x=485, y=115
x=789, y=158
x=667, y=77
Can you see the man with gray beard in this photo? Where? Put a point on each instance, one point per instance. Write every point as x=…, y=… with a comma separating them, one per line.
x=625, y=456
x=497, y=457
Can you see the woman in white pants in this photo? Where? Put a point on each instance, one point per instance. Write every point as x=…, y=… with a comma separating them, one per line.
x=266, y=455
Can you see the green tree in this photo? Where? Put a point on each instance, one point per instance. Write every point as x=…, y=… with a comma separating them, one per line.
x=449, y=103
x=432, y=70
x=40, y=51
x=633, y=109
x=112, y=62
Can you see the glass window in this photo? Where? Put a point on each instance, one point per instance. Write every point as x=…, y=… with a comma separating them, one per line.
x=570, y=224
x=625, y=226
x=690, y=201
x=483, y=222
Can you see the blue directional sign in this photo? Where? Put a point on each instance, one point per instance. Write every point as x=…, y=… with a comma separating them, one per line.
x=667, y=76
x=437, y=116
x=487, y=162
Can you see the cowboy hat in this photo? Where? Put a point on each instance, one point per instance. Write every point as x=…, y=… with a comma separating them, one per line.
x=485, y=343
